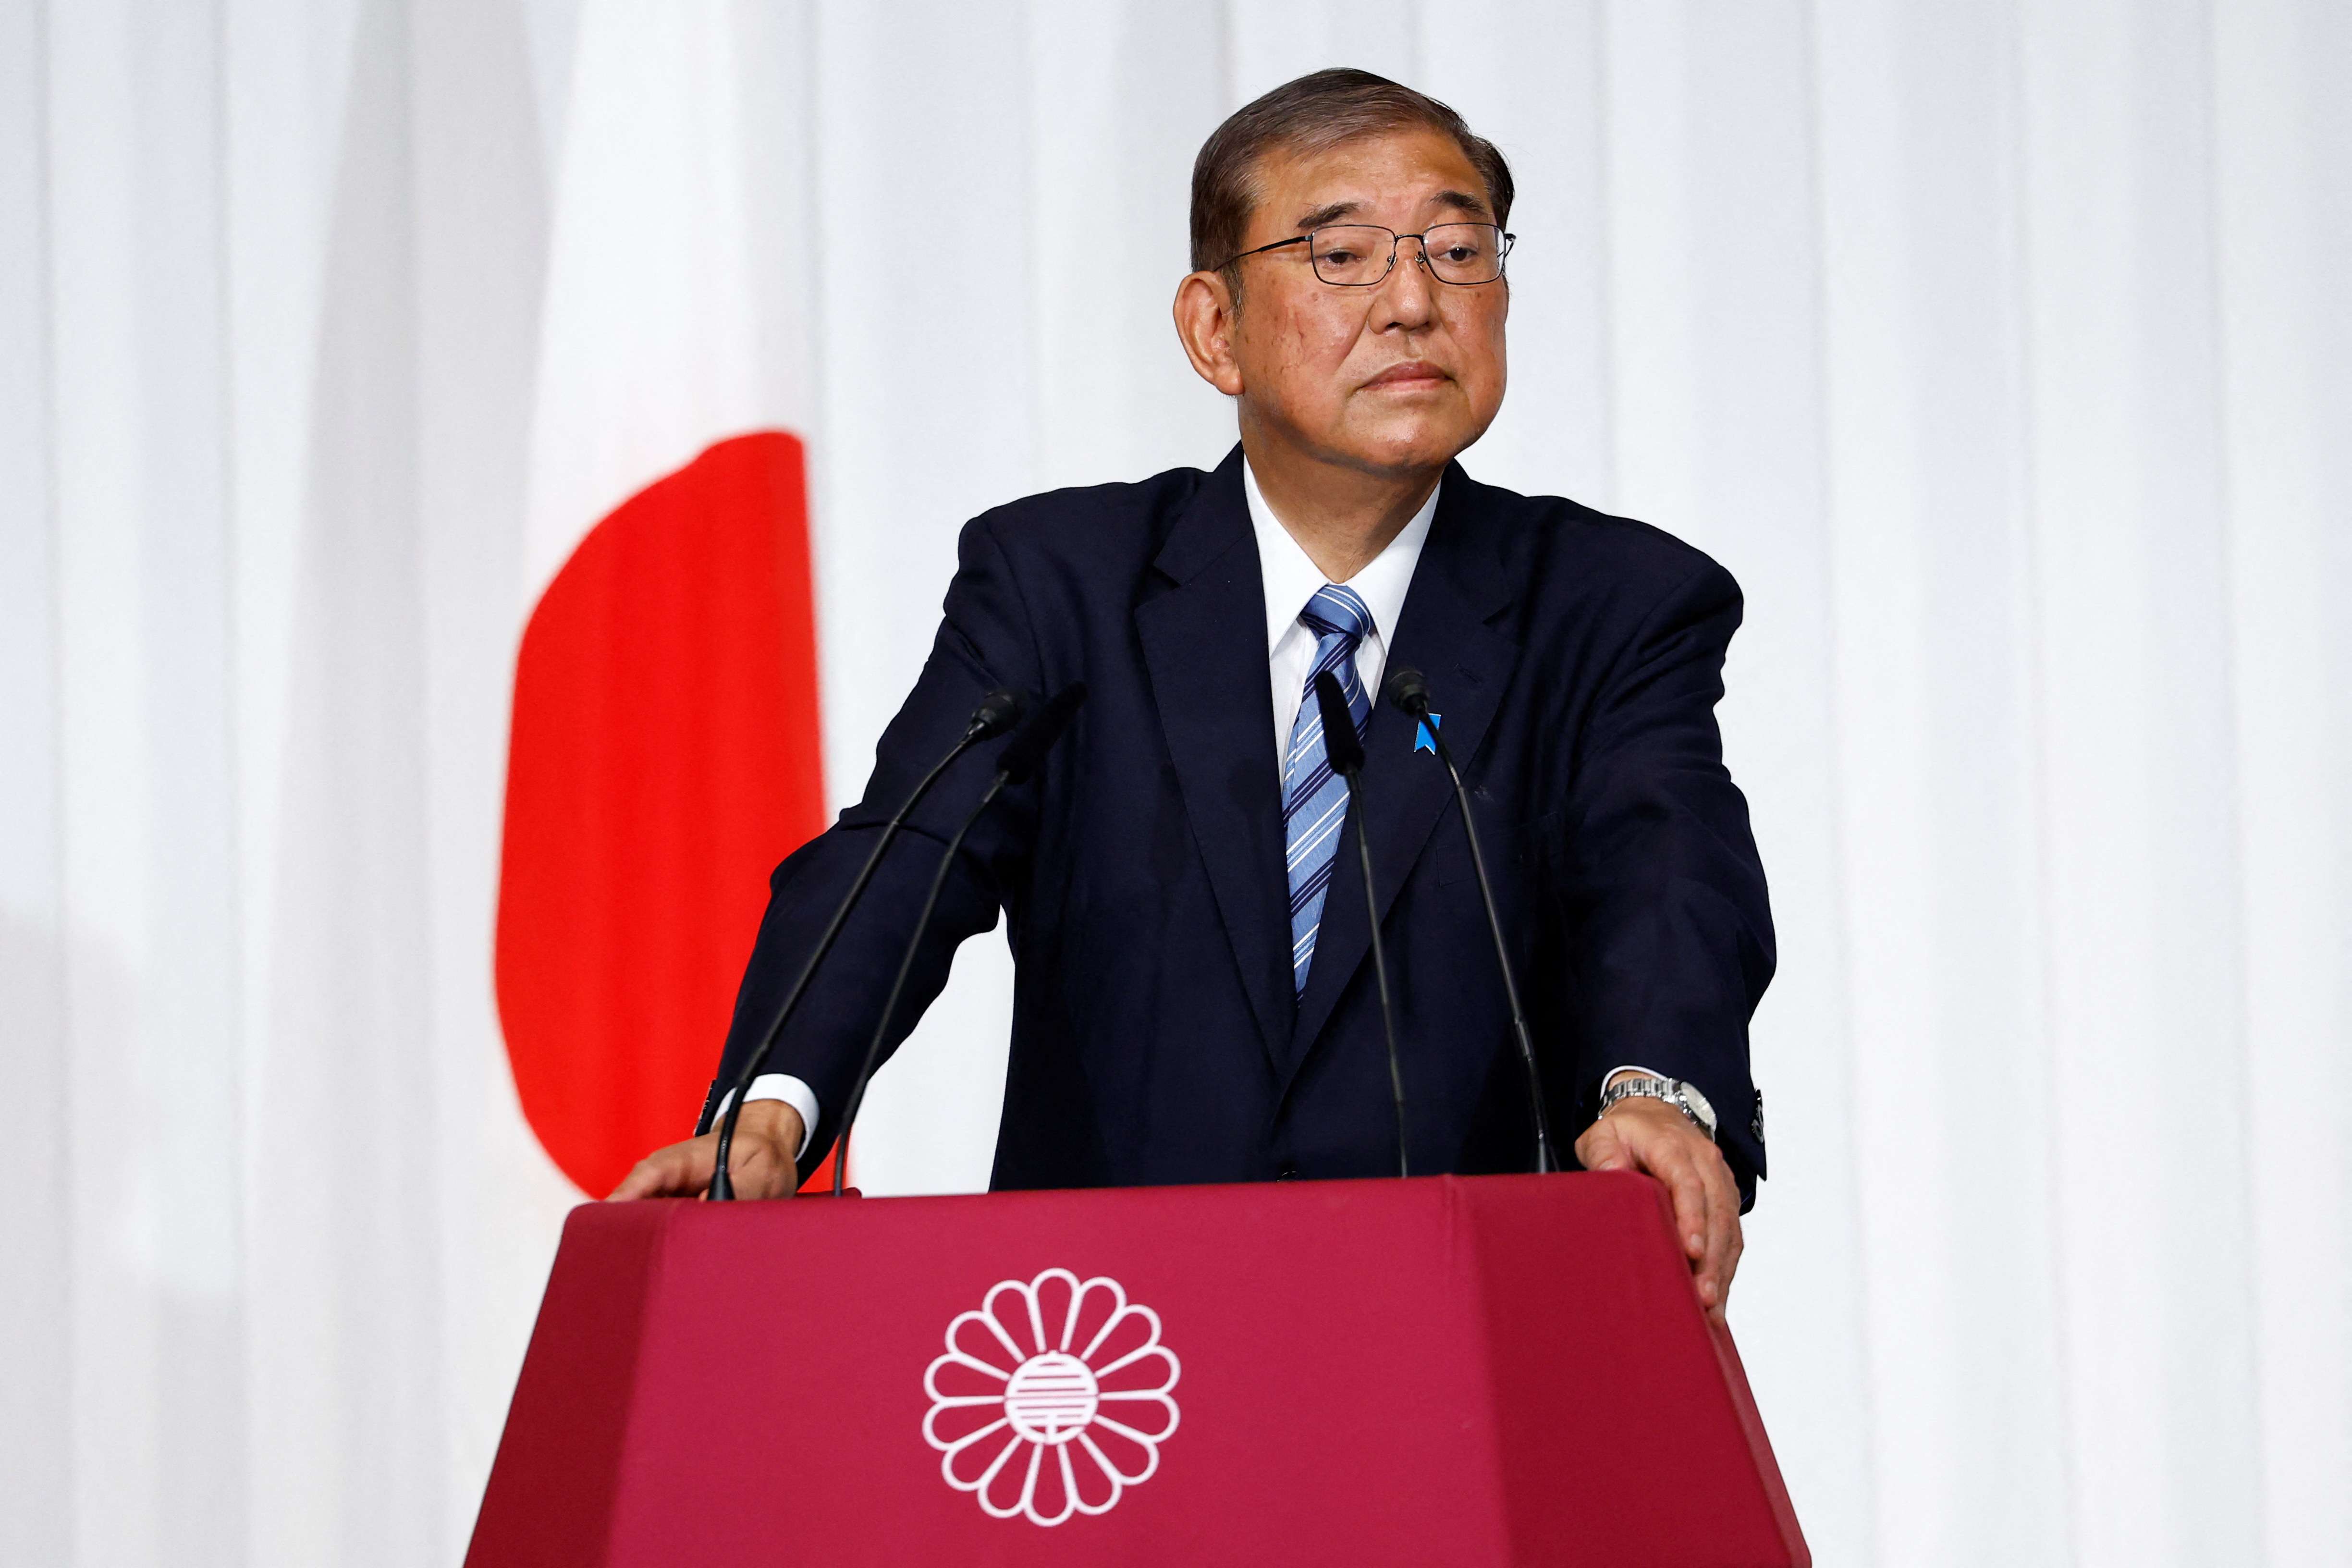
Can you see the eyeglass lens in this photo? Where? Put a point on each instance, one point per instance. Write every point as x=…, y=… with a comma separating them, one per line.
x=1356, y=255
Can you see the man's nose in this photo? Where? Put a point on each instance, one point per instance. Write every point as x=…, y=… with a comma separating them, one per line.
x=1407, y=297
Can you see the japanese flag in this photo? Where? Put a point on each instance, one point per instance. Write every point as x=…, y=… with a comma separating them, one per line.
x=665, y=740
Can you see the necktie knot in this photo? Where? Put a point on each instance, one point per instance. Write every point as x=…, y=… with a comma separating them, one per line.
x=1338, y=611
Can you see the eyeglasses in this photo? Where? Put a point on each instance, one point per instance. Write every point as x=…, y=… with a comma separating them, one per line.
x=1360, y=254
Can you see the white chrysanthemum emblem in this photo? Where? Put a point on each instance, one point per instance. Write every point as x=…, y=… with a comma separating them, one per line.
x=1052, y=1397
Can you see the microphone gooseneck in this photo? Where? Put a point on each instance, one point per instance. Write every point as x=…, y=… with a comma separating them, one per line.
x=998, y=711
x=1021, y=757
x=1345, y=751
x=1408, y=690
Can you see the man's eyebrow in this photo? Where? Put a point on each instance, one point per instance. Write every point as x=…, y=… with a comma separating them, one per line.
x=1331, y=214
x=1460, y=201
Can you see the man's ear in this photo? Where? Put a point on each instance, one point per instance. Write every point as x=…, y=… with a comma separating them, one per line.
x=1205, y=308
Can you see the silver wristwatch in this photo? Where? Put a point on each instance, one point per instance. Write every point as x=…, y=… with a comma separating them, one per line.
x=1684, y=1097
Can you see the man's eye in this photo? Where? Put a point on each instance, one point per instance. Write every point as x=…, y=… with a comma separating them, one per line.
x=1342, y=257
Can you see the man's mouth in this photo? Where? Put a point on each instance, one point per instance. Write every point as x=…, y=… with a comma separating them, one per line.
x=1411, y=374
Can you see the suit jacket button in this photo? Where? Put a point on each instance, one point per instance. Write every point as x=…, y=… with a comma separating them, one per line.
x=1288, y=1172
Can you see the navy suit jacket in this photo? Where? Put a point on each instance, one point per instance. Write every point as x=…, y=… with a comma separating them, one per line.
x=1576, y=660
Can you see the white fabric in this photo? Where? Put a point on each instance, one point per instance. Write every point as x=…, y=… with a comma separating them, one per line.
x=1291, y=578
x=2001, y=351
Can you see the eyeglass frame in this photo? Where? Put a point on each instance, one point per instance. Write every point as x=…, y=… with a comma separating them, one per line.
x=1395, y=239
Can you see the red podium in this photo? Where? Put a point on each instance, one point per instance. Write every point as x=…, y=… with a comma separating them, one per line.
x=1484, y=1370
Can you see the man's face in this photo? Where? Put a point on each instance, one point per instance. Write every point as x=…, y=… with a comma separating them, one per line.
x=1397, y=377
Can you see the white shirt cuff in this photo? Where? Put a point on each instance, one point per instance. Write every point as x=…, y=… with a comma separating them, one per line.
x=781, y=1086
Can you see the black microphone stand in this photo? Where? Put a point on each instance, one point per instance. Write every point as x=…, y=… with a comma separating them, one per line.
x=1409, y=690
x=1021, y=755
x=1345, y=752
x=997, y=712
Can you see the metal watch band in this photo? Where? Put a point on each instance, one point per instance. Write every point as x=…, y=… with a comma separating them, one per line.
x=1666, y=1088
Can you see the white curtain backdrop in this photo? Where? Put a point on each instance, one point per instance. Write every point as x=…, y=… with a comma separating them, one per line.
x=1994, y=345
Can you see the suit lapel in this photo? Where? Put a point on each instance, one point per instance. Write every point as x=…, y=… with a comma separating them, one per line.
x=1204, y=645
x=1459, y=587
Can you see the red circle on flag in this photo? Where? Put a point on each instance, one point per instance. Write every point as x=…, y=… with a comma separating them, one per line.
x=664, y=758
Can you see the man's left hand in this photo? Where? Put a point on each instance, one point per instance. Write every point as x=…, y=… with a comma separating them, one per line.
x=1652, y=1136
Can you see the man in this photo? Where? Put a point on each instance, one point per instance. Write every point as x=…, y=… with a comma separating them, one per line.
x=1193, y=1002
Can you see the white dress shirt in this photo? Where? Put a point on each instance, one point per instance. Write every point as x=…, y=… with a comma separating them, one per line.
x=1290, y=579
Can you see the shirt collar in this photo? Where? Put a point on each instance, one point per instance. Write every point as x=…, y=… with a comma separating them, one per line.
x=1291, y=577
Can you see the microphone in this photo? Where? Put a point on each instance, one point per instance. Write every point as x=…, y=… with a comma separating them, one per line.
x=1345, y=750
x=1021, y=756
x=998, y=711
x=1407, y=690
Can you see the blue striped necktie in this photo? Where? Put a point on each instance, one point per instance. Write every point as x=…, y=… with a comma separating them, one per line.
x=1314, y=800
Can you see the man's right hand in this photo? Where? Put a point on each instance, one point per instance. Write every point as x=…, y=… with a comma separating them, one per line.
x=760, y=1161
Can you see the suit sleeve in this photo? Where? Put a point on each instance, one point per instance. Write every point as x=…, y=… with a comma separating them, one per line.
x=983, y=642
x=1669, y=921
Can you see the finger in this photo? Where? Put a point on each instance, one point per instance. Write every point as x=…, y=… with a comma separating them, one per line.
x=1723, y=1299
x=1601, y=1148
x=1691, y=1218
x=681, y=1170
x=644, y=1180
x=1666, y=1159
x=1722, y=1231
x=1713, y=1271
x=677, y=1170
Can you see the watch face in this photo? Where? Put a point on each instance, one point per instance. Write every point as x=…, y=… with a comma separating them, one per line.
x=1698, y=1103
